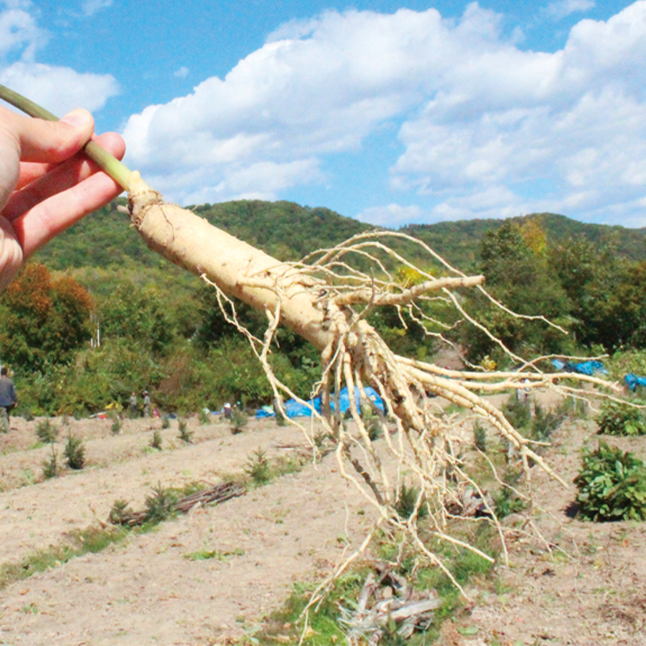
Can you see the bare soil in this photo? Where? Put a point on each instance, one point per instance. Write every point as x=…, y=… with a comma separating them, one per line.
x=585, y=585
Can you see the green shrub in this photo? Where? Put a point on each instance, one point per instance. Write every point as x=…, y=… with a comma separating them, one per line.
x=204, y=416
x=617, y=418
x=611, y=485
x=46, y=431
x=165, y=423
x=74, y=453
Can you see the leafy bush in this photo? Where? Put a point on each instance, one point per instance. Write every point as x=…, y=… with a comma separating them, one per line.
x=165, y=423
x=46, y=431
x=617, y=418
x=74, y=453
x=611, y=485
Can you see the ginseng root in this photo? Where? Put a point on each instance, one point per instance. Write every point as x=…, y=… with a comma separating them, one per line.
x=326, y=299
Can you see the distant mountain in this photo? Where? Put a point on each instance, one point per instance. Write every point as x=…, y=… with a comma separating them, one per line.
x=282, y=229
x=459, y=241
x=289, y=231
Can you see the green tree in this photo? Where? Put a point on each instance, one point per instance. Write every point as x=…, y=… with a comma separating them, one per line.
x=518, y=274
x=43, y=319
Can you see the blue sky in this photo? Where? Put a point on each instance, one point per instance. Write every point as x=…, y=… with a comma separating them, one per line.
x=390, y=112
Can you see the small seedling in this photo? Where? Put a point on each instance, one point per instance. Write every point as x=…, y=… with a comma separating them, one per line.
x=74, y=453
x=184, y=434
x=407, y=500
x=238, y=421
x=51, y=467
x=156, y=441
x=480, y=437
x=115, y=429
x=518, y=411
x=258, y=467
x=204, y=416
x=46, y=431
x=119, y=512
x=165, y=423
x=161, y=504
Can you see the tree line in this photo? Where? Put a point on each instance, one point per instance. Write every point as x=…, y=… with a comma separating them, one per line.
x=121, y=319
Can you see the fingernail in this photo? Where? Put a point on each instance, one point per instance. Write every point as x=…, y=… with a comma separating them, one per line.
x=77, y=118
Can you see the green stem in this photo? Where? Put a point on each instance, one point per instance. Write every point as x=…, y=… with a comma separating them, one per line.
x=102, y=158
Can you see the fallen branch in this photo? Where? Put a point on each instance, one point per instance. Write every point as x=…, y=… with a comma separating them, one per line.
x=213, y=496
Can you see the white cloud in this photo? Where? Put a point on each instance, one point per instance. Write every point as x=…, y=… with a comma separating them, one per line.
x=43, y=83
x=485, y=127
x=563, y=8
x=20, y=40
x=91, y=7
x=181, y=73
x=19, y=34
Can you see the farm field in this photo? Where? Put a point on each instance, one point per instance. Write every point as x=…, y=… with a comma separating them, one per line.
x=585, y=585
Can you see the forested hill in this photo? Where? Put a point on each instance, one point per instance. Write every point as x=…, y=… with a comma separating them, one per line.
x=283, y=229
x=459, y=241
x=289, y=231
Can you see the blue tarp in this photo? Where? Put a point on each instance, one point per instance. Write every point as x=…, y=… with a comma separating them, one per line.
x=632, y=381
x=295, y=408
x=586, y=368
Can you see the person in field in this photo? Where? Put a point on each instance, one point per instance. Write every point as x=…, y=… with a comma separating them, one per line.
x=8, y=398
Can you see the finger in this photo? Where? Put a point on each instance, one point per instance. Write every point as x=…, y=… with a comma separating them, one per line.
x=31, y=171
x=10, y=254
x=61, y=178
x=49, y=141
x=39, y=225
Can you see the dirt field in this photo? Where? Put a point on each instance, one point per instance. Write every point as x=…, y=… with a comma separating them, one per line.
x=145, y=590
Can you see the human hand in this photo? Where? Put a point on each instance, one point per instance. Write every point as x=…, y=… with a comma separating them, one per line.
x=46, y=184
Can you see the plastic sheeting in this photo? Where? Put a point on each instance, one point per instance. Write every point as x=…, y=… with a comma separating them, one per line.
x=632, y=381
x=294, y=408
x=586, y=368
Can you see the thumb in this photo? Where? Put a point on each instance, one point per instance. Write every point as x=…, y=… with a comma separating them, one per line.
x=53, y=141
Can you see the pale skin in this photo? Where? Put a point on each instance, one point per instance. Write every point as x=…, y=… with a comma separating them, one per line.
x=46, y=183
